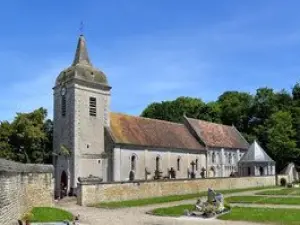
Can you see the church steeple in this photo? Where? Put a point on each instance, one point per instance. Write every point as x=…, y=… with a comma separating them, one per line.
x=81, y=55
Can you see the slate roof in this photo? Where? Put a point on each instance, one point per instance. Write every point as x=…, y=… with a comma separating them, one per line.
x=82, y=67
x=218, y=135
x=255, y=153
x=141, y=131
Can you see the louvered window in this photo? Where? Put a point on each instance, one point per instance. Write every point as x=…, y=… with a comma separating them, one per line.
x=63, y=105
x=93, y=106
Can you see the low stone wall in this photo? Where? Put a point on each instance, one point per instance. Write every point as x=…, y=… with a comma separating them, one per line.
x=90, y=193
x=23, y=186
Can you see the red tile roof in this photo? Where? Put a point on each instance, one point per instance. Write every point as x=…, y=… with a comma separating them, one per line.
x=151, y=132
x=218, y=135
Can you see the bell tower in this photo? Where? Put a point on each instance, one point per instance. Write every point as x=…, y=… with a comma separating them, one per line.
x=81, y=111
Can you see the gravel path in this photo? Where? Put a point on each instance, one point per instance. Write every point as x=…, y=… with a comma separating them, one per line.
x=138, y=216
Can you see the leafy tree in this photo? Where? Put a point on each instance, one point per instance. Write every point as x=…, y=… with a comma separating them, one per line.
x=264, y=105
x=6, y=150
x=174, y=110
x=272, y=118
x=153, y=110
x=283, y=100
x=235, y=108
x=296, y=92
x=295, y=111
x=280, y=133
x=210, y=112
x=28, y=138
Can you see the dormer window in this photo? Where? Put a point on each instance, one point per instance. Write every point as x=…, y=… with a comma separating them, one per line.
x=93, y=107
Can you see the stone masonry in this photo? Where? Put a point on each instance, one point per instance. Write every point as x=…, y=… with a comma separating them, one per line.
x=91, y=192
x=23, y=186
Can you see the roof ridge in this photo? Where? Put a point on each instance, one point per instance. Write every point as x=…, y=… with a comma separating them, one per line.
x=241, y=135
x=205, y=121
x=146, y=118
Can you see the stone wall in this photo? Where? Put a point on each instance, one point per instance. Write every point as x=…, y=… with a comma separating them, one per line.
x=283, y=176
x=90, y=193
x=23, y=186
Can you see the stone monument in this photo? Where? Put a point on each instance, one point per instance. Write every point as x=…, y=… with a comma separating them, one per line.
x=212, y=207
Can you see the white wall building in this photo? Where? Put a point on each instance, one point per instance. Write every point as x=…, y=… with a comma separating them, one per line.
x=89, y=140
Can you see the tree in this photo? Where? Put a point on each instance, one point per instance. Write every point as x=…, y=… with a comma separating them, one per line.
x=6, y=150
x=283, y=100
x=210, y=112
x=296, y=92
x=28, y=138
x=295, y=111
x=280, y=133
x=235, y=109
x=174, y=110
x=48, y=142
x=264, y=105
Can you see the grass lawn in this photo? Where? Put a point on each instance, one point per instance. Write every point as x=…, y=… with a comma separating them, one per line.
x=172, y=198
x=268, y=215
x=263, y=200
x=175, y=211
x=49, y=214
x=285, y=191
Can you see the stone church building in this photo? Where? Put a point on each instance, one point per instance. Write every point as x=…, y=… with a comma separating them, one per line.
x=89, y=140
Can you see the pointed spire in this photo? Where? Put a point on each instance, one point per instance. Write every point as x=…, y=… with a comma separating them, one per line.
x=81, y=56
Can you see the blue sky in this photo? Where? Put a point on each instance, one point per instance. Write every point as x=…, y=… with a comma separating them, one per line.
x=150, y=50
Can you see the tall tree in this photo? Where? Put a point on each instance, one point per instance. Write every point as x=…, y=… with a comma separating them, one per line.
x=264, y=104
x=210, y=112
x=6, y=150
x=28, y=136
x=235, y=109
x=174, y=110
x=281, y=135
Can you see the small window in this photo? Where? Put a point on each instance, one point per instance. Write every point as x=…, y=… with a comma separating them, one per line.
x=196, y=164
x=63, y=105
x=178, y=164
x=133, y=162
x=229, y=158
x=213, y=157
x=93, y=105
x=157, y=161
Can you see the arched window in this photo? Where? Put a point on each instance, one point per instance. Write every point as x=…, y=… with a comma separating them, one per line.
x=133, y=162
x=213, y=157
x=157, y=163
x=196, y=164
x=178, y=163
x=261, y=171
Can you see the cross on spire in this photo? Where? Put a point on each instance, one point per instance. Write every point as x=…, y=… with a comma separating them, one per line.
x=81, y=28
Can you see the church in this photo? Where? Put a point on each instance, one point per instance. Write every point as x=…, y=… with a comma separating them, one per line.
x=91, y=141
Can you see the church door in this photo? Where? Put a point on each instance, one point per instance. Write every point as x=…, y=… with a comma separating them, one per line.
x=63, y=184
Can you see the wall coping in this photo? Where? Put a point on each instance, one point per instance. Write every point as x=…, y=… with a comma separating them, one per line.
x=11, y=166
x=165, y=180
